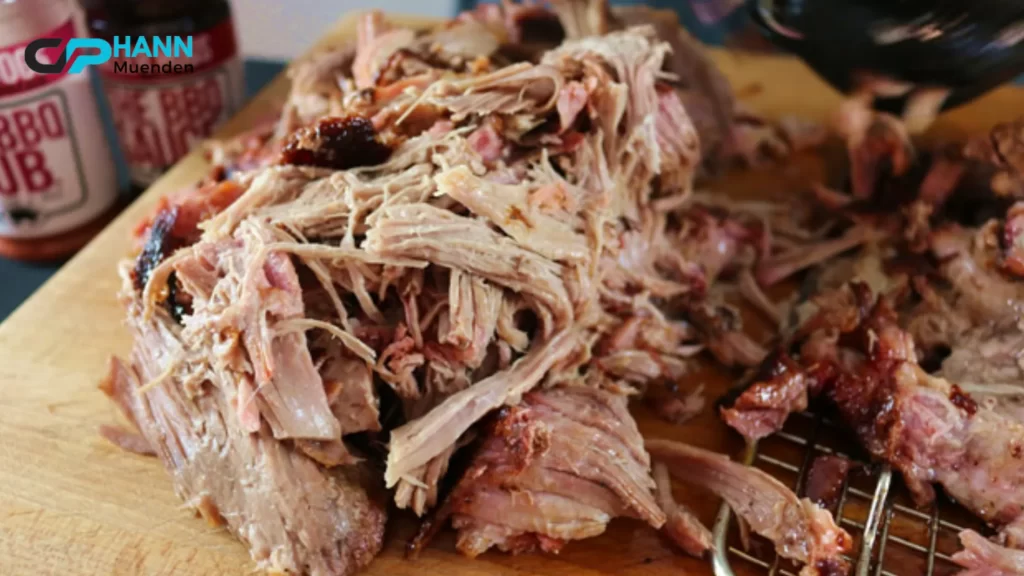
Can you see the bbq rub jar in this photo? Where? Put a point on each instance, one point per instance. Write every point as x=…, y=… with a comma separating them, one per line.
x=173, y=77
x=57, y=176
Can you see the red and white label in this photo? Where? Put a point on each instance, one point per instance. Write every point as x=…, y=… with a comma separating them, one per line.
x=50, y=180
x=15, y=75
x=29, y=134
x=160, y=117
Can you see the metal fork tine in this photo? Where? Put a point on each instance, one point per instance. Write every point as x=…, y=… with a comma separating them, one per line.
x=883, y=541
x=720, y=551
x=842, y=497
x=879, y=513
x=933, y=538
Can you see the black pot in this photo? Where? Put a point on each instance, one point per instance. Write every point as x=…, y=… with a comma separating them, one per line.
x=969, y=46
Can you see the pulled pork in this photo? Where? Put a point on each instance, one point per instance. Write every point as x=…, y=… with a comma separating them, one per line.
x=244, y=480
x=916, y=340
x=924, y=426
x=799, y=529
x=557, y=467
x=441, y=241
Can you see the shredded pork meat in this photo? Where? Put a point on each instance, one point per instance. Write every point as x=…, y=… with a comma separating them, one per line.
x=246, y=481
x=555, y=468
x=681, y=525
x=917, y=343
x=446, y=246
x=798, y=528
x=981, y=557
x=926, y=427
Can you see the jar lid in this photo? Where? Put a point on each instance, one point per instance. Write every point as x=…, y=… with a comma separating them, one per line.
x=154, y=17
x=142, y=10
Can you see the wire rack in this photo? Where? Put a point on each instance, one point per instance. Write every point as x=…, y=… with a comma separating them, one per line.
x=892, y=537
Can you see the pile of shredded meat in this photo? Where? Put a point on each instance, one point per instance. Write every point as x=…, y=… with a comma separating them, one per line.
x=479, y=240
x=916, y=338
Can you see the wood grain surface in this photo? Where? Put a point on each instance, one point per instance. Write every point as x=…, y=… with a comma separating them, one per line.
x=71, y=504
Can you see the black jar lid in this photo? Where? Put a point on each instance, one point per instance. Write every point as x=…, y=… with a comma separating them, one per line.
x=154, y=17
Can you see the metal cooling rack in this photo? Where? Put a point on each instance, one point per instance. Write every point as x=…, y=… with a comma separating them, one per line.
x=892, y=538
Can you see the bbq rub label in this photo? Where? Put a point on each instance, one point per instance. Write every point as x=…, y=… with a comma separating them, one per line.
x=160, y=117
x=50, y=182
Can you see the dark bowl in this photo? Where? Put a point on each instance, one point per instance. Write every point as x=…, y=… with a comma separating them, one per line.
x=970, y=47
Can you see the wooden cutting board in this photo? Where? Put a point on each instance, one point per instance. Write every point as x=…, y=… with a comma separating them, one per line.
x=71, y=504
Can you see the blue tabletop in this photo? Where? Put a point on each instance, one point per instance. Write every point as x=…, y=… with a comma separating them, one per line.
x=18, y=280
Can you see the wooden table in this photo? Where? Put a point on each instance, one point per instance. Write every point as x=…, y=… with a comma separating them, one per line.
x=71, y=504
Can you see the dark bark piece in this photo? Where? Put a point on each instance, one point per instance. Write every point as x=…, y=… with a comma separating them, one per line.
x=337, y=143
x=826, y=478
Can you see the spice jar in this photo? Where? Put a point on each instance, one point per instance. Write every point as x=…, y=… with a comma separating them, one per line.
x=58, y=181
x=165, y=99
